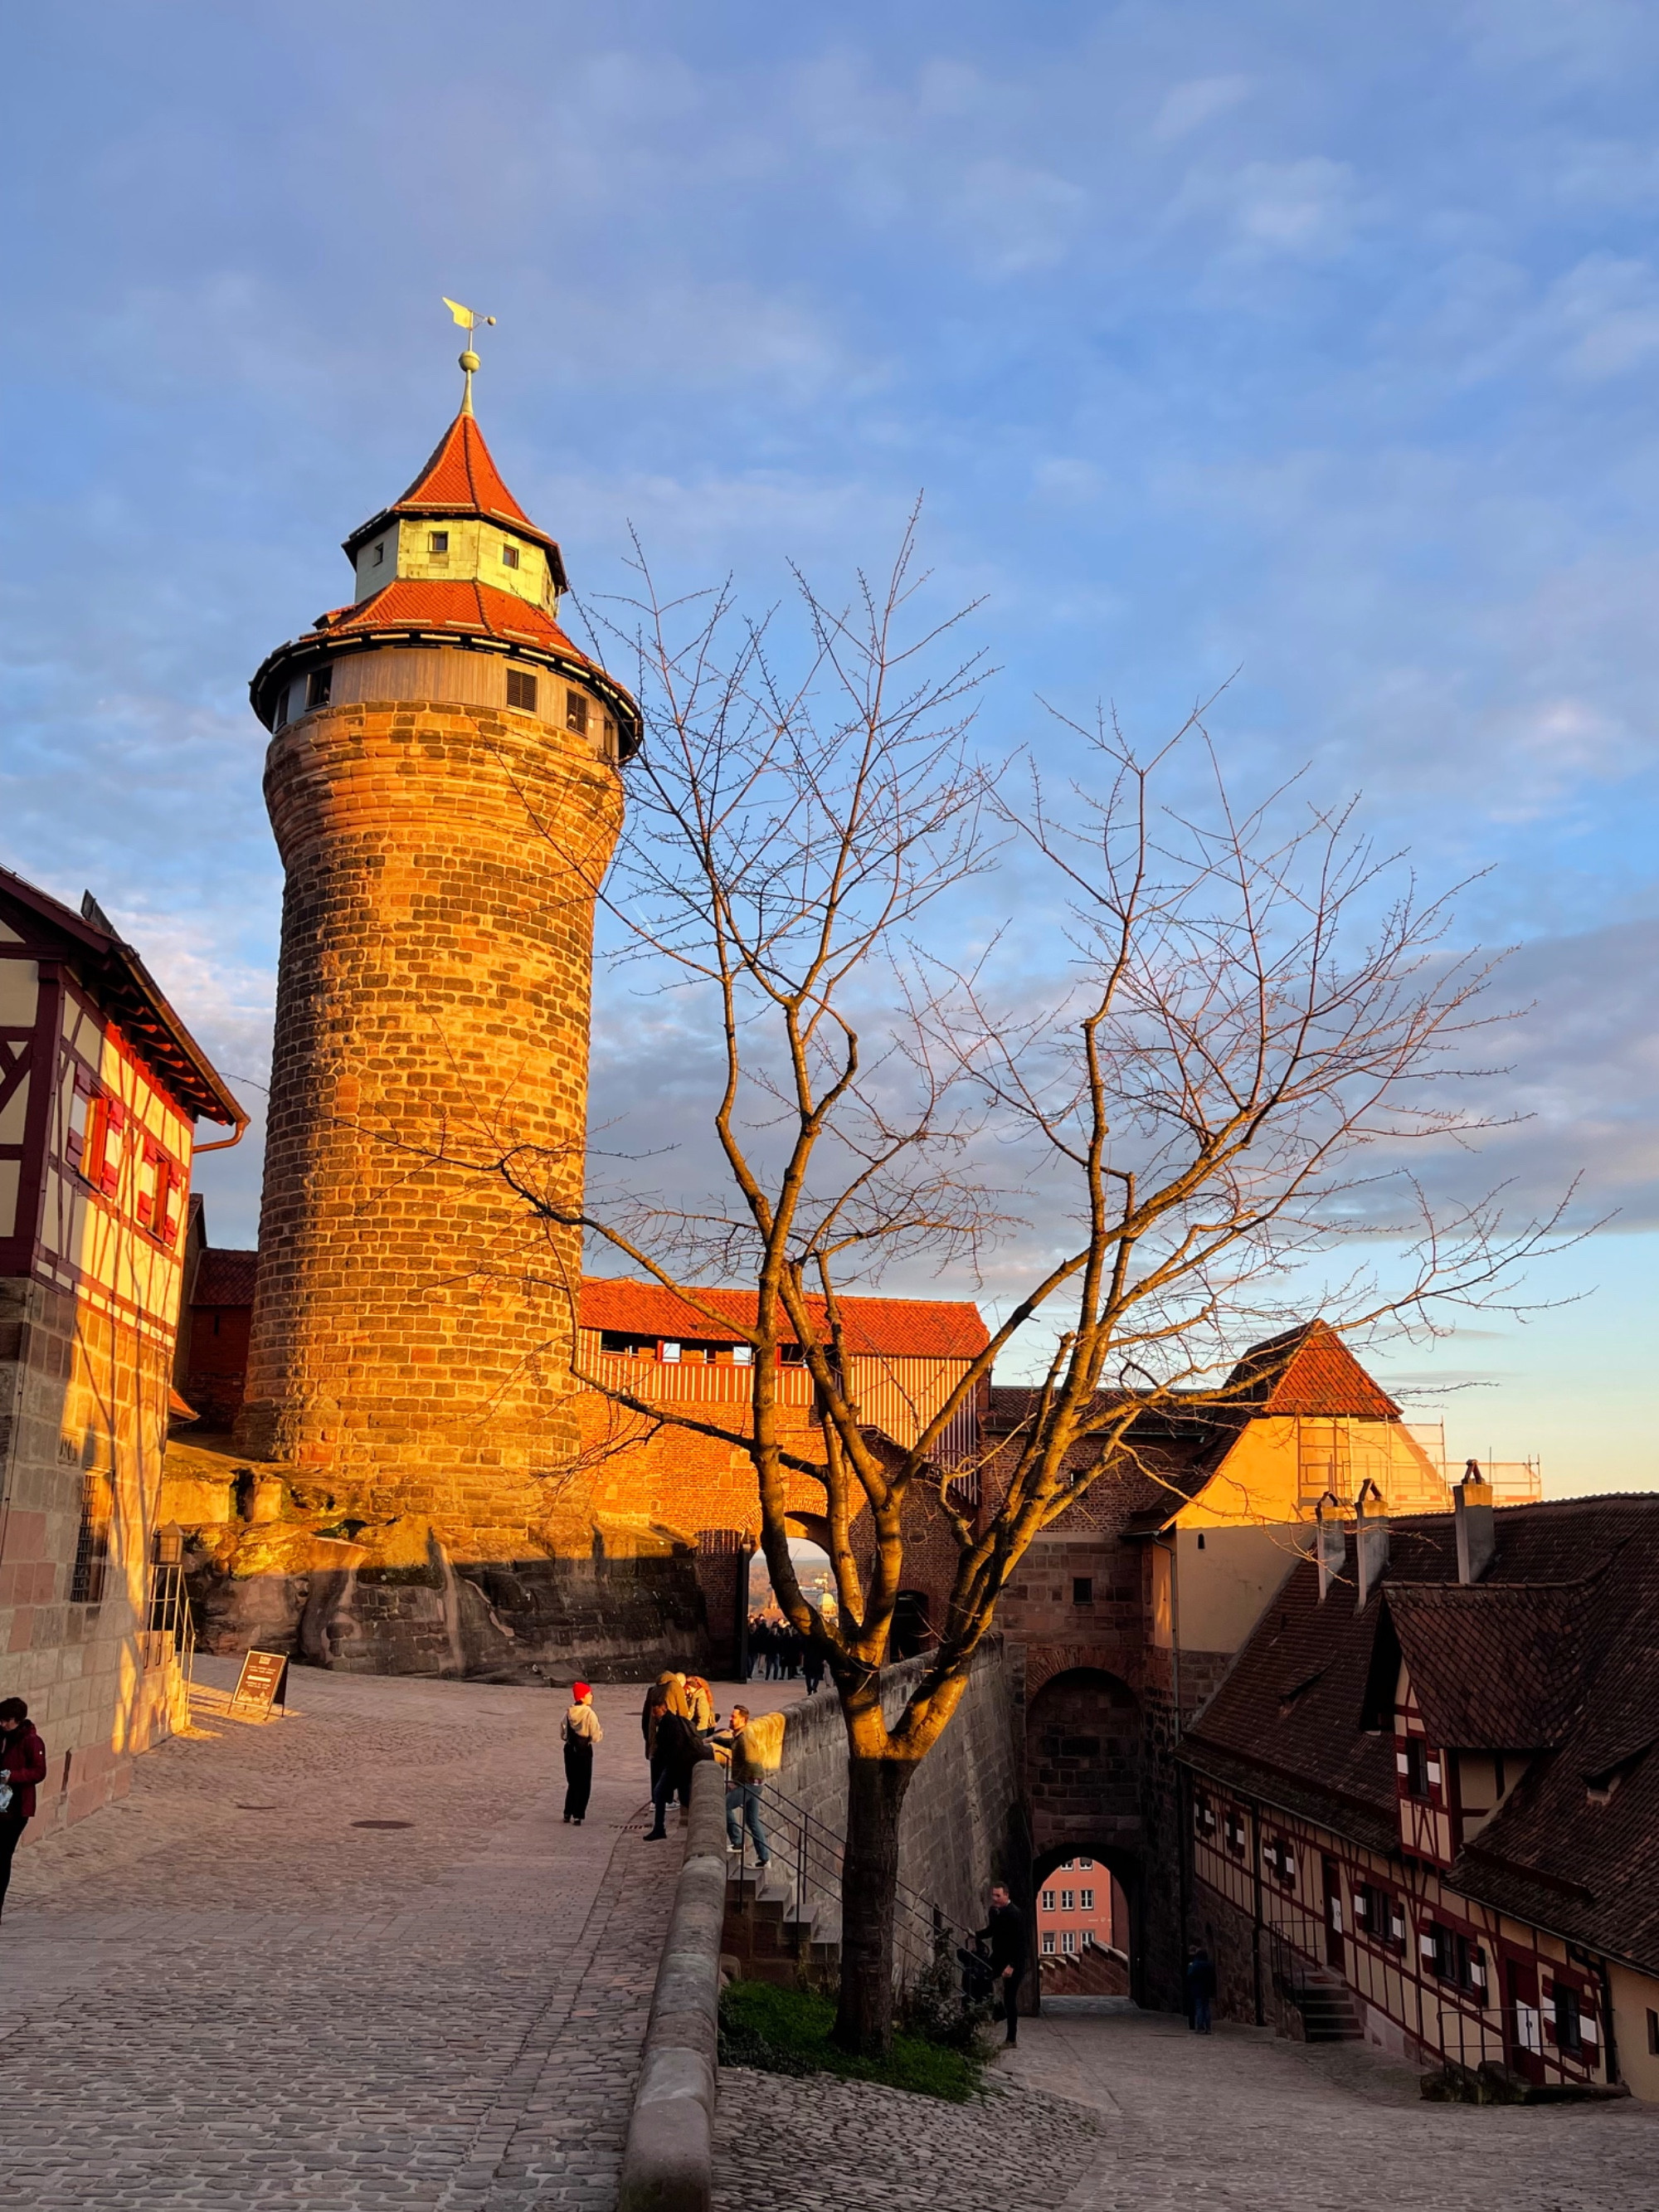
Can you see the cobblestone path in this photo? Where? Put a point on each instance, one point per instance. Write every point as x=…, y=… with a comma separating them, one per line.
x=229, y=1992
x=1129, y=2112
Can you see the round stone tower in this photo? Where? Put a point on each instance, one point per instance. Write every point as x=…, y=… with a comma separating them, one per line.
x=443, y=784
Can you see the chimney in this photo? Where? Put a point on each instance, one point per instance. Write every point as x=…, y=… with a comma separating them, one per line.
x=1371, y=1541
x=1476, y=1530
x=1330, y=1542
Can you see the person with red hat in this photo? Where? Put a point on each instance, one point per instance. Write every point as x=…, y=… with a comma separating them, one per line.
x=581, y=1733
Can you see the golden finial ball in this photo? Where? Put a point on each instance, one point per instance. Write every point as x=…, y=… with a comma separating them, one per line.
x=469, y=360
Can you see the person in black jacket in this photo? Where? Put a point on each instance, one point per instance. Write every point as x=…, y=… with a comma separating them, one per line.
x=676, y=1749
x=1200, y=1988
x=1004, y=1931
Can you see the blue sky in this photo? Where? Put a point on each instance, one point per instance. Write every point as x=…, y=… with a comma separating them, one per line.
x=1319, y=345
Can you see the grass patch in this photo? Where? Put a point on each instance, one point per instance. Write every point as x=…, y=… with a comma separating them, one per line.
x=788, y=2032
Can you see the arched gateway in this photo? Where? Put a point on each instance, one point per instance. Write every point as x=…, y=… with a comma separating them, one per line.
x=1082, y=1738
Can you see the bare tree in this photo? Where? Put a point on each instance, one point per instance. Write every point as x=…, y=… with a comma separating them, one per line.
x=1249, y=1016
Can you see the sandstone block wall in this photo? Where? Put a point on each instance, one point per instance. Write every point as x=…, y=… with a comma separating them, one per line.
x=411, y=1331
x=82, y=1398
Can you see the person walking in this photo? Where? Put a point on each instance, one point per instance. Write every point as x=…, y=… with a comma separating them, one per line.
x=1200, y=1988
x=22, y=1766
x=582, y=1737
x=812, y=1666
x=676, y=1749
x=744, y=1776
x=1004, y=1932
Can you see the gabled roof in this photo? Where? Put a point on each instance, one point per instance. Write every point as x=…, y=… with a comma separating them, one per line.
x=1176, y=1445
x=923, y=1328
x=1554, y=1653
x=225, y=1276
x=461, y=479
x=1497, y=1667
x=118, y=979
x=1309, y=1370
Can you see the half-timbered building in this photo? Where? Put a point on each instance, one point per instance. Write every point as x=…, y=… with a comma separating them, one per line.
x=1423, y=1807
x=100, y=1090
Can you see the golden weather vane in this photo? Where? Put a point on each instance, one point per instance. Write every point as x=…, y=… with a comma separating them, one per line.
x=469, y=322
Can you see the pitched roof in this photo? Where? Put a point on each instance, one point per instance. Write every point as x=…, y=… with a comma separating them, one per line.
x=114, y=971
x=460, y=478
x=1485, y=1661
x=417, y=603
x=1165, y=1459
x=225, y=1276
x=1309, y=1370
x=1176, y=1445
x=1555, y=1652
x=924, y=1329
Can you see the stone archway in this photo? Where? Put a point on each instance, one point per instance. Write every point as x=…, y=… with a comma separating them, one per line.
x=1083, y=1760
x=1083, y=1752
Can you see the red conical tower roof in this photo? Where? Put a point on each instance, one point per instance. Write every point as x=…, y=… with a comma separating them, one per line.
x=461, y=479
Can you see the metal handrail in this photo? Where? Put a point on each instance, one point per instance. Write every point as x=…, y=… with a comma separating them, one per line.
x=922, y=1930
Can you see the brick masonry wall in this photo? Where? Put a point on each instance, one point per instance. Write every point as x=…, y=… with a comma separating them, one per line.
x=80, y=1393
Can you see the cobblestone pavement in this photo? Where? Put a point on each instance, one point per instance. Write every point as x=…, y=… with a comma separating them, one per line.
x=1129, y=2112
x=227, y=1992
x=819, y=2145
x=1241, y=2120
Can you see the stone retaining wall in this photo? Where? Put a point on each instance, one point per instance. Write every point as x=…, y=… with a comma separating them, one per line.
x=962, y=1826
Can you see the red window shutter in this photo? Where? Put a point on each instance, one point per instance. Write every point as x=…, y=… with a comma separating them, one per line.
x=172, y=1205
x=115, y=1122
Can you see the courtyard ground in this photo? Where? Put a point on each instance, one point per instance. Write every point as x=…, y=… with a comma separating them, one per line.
x=349, y=1958
x=1126, y=2112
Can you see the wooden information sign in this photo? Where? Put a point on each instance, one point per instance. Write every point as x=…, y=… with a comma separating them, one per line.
x=262, y=1681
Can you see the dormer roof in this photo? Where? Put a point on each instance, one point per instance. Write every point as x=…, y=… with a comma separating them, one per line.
x=460, y=478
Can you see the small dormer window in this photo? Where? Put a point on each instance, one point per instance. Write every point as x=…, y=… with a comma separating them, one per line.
x=379, y=555
x=437, y=544
x=509, y=557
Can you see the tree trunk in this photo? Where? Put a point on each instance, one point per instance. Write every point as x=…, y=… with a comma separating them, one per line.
x=875, y=1792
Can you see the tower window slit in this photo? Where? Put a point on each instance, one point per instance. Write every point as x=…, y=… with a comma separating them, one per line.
x=575, y=712
x=321, y=686
x=509, y=557
x=521, y=689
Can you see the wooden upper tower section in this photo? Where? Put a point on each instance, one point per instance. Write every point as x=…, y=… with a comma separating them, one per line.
x=455, y=566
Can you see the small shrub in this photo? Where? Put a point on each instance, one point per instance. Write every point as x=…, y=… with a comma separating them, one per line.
x=788, y=2032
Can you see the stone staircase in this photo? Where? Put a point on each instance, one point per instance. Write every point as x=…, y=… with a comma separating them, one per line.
x=777, y=1935
x=1326, y=2003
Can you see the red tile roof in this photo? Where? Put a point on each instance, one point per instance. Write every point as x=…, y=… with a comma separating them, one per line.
x=919, y=1328
x=1309, y=1370
x=461, y=473
x=225, y=1276
x=410, y=603
x=922, y=1328
x=461, y=479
